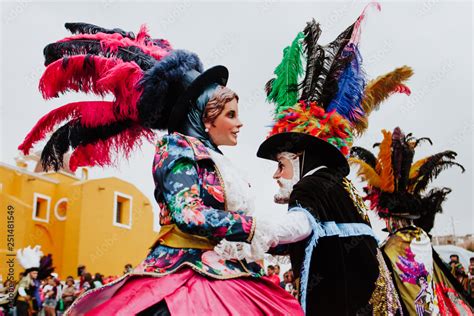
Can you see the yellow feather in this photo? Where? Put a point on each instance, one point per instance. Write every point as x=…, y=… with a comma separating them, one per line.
x=415, y=168
x=378, y=90
x=366, y=172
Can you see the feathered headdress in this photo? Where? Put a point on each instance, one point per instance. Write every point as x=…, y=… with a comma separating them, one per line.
x=143, y=74
x=29, y=258
x=396, y=185
x=332, y=102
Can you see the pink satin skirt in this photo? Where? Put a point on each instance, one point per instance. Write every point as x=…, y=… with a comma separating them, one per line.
x=188, y=293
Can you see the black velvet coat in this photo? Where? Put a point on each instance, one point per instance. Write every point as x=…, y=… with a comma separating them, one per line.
x=343, y=270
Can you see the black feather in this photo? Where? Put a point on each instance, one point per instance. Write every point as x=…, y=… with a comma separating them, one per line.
x=55, y=51
x=45, y=267
x=326, y=56
x=364, y=155
x=160, y=91
x=433, y=167
x=419, y=140
x=407, y=159
x=312, y=33
x=269, y=86
x=71, y=135
x=431, y=204
x=397, y=154
x=86, y=28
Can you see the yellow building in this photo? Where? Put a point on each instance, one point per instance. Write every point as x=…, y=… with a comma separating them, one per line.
x=100, y=223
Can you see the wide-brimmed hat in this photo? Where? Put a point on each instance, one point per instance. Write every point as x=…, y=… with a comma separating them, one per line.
x=295, y=142
x=194, y=83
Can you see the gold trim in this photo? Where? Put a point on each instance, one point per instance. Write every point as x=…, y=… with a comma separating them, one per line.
x=158, y=275
x=221, y=180
x=252, y=230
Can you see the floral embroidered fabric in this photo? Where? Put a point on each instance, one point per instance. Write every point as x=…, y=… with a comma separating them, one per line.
x=190, y=192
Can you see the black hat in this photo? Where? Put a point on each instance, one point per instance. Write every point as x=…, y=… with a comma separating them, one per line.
x=313, y=147
x=194, y=84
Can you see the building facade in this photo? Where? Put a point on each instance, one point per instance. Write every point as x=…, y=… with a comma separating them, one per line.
x=100, y=223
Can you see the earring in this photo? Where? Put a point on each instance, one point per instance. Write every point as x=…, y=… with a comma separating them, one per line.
x=206, y=130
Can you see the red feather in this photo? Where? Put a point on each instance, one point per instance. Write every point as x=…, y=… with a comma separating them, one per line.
x=101, y=152
x=91, y=113
x=111, y=42
x=402, y=89
x=122, y=81
x=99, y=75
x=73, y=74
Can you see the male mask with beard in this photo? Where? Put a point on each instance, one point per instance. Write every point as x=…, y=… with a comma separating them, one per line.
x=286, y=185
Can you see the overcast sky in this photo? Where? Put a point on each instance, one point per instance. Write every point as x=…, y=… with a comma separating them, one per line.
x=433, y=37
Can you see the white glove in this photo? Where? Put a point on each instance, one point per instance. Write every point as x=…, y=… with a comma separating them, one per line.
x=289, y=228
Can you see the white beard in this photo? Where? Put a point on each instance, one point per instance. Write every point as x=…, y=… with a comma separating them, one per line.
x=283, y=195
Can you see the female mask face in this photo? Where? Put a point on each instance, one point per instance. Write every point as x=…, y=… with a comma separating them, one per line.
x=224, y=129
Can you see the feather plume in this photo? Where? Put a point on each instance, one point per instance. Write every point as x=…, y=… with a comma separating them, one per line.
x=90, y=114
x=415, y=168
x=408, y=153
x=121, y=136
x=351, y=84
x=142, y=49
x=45, y=267
x=326, y=56
x=312, y=33
x=86, y=28
x=269, y=86
x=379, y=89
x=384, y=162
x=397, y=154
x=104, y=152
x=29, y=257
x=431, y=204
x=367, y=172
x=364, y=155
x=76, y=73
x=285, y=87
x=156, y=101
x=98, y=75
x=431, y=169
x=56, y=51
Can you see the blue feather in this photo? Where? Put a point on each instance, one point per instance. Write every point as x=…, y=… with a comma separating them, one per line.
x=351, y=86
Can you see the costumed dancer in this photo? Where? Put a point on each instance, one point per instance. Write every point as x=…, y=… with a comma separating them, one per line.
x=37, y=267
x=339, y=268
x=202, y=197
x=396, y=189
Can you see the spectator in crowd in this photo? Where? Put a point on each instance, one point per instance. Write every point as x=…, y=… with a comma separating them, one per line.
x=98, y=282
x=81, y=271
x=458, y=271
x=453, y=259
x=128, y=268
x=50, y=293
x=272, y=276
x=87, y=282
x=69, y=292
x=289, y=282
x=277, y=270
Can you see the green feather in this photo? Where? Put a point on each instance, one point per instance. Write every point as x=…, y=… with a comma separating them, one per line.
x=284, y=91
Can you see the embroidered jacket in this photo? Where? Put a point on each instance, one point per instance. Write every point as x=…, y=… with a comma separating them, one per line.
x=191, y=195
